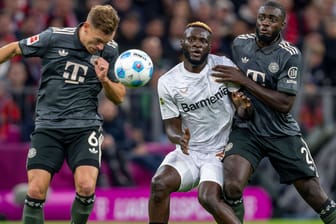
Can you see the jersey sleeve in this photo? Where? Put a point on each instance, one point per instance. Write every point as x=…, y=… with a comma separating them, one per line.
x=290, y=78
x=37, y=45
x=168, y=106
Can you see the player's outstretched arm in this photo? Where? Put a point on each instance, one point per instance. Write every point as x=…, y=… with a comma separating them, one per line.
x=9, y=51
x=243, y=105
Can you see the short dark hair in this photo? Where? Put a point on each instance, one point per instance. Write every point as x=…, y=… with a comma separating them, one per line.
x=277, y=5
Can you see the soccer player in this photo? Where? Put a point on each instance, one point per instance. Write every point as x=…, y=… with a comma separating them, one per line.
x=197, y=113
x=270, y=75
x=77, y=64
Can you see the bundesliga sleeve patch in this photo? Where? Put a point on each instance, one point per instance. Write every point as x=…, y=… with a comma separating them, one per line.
x=33, y=39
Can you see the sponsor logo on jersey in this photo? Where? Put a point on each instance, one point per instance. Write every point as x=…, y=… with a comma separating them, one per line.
x=292, y=72
x=222, y=92
x=33, y=39
x=273, y=67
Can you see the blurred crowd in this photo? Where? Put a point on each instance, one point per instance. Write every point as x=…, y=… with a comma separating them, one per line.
x=156, y=27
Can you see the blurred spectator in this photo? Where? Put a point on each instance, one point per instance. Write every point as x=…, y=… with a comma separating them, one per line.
x=155, y=27
x=116, y=145
x=63, y=12
x=23, y=94
x=125, y=7
x=172, y=45
x=130, y=33
x=312, y=19
x=313, y=53
x=153, y=46
x=37, y=18
x=248, y=11
x=6, y=36
x=82, y=7
x=330, y=54
x=311, y=115
x=122, y=145
x=292, y=32
x=10, y=116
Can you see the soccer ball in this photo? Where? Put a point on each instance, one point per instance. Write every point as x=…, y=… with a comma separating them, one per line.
x=134, y=68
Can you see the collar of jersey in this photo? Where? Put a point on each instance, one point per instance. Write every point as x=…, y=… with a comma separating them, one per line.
x=270, y=48
x=77, y=42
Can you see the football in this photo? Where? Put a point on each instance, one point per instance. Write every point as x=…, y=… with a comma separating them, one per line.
x=134, y=68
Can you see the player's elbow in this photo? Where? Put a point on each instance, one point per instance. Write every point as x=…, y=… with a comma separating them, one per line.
x=118, y=100
x=285, y=104
x=283, y=108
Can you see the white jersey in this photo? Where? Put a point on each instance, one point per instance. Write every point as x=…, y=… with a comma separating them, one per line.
x=203, y=104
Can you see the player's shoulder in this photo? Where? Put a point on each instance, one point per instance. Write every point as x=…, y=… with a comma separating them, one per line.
x=287, y=48
x=62, y=31
x=111, y=49
x=214, y=60
x=171, y=74
x=244, y=39
x=112, y=44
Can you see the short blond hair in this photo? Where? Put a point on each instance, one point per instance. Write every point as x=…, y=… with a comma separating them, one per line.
x=104, y=18
x=199, y=24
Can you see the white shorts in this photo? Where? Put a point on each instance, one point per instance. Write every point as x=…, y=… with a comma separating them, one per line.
x=195, y=168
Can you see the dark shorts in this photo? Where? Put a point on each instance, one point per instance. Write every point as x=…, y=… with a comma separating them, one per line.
x=78, y=146
x=289, y=155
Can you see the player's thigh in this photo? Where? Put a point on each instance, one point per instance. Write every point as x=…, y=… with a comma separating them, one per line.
x=84, y=147
x=85, y=178
x=185, y=167
x=46, y=151
x=211, y=169
x=291, y=158
x=243, y=144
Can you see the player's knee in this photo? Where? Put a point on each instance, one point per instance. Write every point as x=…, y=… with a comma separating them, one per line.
x=233, y=189
x=37, y=191
x=208, y=201
x=85, y=187
x=159, y=189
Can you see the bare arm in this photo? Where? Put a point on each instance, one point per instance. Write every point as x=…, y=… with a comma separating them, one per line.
x=115, y=92
x=176, y=135
x=9, y=51
x=279, y=101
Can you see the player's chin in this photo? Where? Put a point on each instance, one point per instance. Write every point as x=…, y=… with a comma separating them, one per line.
x=196, y=61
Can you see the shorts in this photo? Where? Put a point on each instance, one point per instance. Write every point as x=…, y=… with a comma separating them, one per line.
x=78, y=146
x=195, y=168
x=289, y=155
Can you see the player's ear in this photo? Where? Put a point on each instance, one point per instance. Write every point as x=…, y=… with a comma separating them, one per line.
x=284, y=24
x=182, y=42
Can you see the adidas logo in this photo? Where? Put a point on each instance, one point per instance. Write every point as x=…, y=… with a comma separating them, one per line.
x=245, y=60
x=63, y=52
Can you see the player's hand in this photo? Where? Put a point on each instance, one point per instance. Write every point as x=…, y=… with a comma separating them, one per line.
x=184, y=141
x=220, y=155
x=240, y=100
x=101, y=68
x=223, y=73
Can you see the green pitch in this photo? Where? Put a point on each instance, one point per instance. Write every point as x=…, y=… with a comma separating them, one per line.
x=283, y=221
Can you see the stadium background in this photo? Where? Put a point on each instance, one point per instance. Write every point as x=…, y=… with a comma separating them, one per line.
x=155, y=26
